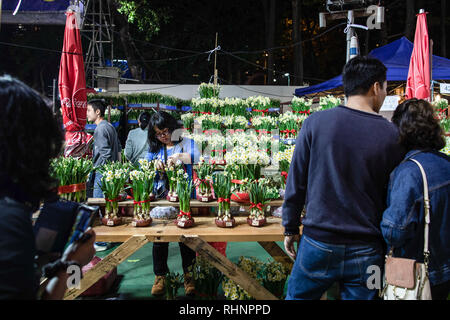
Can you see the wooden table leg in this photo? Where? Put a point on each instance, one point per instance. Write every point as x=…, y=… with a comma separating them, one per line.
x=277, y=253
x=228, y=268
x=107, y=264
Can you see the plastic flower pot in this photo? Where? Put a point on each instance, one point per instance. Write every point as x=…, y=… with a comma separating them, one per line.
x=225, y=224
x=256, y=222
x=141, y=222
x=242, y=197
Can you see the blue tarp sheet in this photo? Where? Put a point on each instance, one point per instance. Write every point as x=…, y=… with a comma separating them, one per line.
x=395, y=56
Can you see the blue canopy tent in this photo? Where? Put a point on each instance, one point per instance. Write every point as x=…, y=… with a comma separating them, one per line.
x=395, y=56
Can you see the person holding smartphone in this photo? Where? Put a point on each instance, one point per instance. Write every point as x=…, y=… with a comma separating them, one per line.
x=29, y=138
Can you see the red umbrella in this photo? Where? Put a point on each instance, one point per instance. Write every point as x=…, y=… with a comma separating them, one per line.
x=72, y=89
x=418, y=84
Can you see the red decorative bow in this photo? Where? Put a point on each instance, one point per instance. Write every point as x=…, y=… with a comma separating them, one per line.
x=256, y=205
x=139, y=202
x=182, y=213
x=223, y=200
x=306, y=111
x=284, y=174
x=112, y=200
x=263, y=111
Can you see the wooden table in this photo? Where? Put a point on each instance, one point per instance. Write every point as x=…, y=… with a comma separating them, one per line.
x=196, y=238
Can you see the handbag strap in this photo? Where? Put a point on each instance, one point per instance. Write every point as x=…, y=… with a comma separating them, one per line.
x=426, y=201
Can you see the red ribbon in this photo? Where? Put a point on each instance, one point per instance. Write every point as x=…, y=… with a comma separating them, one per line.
x=262, y=131
x=223, y=200
x=182, y=213
x=139, y=202
x=306, y=111
x=112, y=200
x=237, y=181
x=288, y=131
x=222, y=151
x=284, y=174
x=256, y=205
x=263, y=111
x=72, y=188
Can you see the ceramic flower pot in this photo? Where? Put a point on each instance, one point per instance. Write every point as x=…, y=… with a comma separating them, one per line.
x=141, y=222
x=256, y=222
x=184, y=223
x=111, y=222
x=242, y=197
x=225, y=224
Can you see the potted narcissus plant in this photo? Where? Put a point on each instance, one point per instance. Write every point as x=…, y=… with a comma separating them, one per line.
x=184, y=191
x=72, y=174
x=259, y=198
x=222, y=190
x=112, y=183
x=142, y=183
x=203, y=182
x=174, y=172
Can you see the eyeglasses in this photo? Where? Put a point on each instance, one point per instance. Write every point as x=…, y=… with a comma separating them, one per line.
x=162, y=134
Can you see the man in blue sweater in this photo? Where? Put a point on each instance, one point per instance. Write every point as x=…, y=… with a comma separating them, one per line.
x=340, y=172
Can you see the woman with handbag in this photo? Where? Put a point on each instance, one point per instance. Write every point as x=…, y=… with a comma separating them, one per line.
x=416, y=223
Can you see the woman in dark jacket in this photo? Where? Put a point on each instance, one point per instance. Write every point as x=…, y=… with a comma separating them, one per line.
x=29, y=138
x=403, y=220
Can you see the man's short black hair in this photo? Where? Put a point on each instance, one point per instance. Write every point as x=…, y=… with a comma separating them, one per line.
x=98, y=104
x=360, y=73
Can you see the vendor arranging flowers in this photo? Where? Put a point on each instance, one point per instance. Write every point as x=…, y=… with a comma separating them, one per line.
x=168, y=146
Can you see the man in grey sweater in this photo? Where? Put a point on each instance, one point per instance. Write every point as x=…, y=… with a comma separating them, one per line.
x=106, y=143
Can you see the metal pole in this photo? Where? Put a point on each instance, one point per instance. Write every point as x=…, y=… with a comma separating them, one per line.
x=349, y=33
x=54, y=96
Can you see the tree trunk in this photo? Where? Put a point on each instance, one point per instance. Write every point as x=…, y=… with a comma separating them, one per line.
x=297, y=38
x=443, y=29
x=410, y=19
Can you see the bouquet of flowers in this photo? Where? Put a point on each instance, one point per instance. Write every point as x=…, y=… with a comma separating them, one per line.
x=205, y=105
x=210, y=123
x=188, y=121
x=204, y=171
x=175, y=173
x=208, y=90
x=173, y=282
x=235, y=123
x=217, y=146
x=142, y=184
x=272, y=186
x=184, y=191
x=440, y=106
x=274, y=276
x=445, y=124
x=301, y=105
x=112, y=183
x=259, y=197
x=328, y=102
x=284, y=159
x=233, y=291
x=234, y=106
x=207, y=279
x=72, y=175
x=289, y=124
x=264, y=125
x=222, y=189
x=260, y=105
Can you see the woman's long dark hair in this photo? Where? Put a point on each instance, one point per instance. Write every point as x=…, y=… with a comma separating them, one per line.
x=418, y=127
x=161, y=120
x=144, y=119
x=29, y=138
